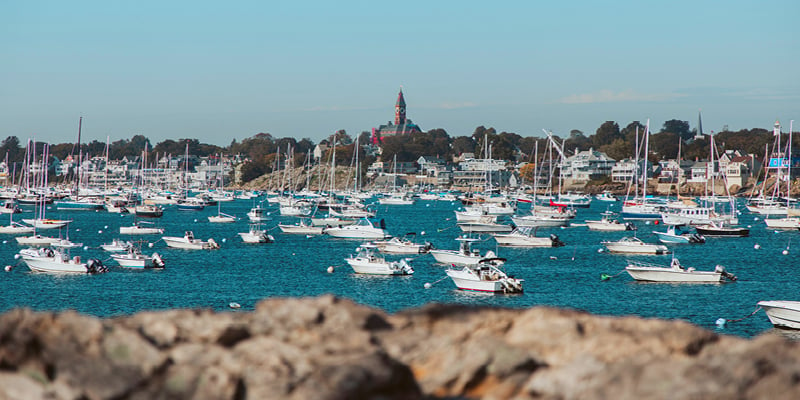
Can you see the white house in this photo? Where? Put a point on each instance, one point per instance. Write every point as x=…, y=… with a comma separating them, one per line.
x=586, y=165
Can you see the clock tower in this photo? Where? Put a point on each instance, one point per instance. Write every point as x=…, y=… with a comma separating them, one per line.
x=400, y=109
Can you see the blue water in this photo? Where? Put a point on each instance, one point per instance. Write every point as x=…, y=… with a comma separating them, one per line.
x=297, y=266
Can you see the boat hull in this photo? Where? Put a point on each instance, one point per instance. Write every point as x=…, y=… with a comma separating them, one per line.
x=782, y=313
x=361, y=266
x=669, y=275
x=642, y=249
x=722, y=232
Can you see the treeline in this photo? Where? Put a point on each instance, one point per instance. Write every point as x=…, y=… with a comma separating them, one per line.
x=263, y=150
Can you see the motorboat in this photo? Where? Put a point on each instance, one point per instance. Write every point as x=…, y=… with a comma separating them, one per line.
x=465, y=255
x=634, y=245
x=606, y=196
x=368, y=261
x=191, y=204
x=722, y=230
x=363, y=229
x=188, y=242
x=117, y=245
x=134, y=258
x=148, y=211
x=331, y=221
x=608, y=223
x=695, y=216
x=258, y=214
x=256, y=234
x=782, y=313
x=526, y=237
x=484, y=277
x=396, y=199
x=59, y=261
x=402, y=245
x=301, y=228
x=10, y=207
x=82, y=204
x=674, y=235
x=574, y=200
x=472, y=215
x=677, y=273
x=140, y=228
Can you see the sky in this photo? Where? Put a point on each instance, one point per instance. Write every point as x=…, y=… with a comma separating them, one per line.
x=219, y=71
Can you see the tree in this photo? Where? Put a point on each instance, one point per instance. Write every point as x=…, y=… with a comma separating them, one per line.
x=606, y=134
x=463, y=144
x=681, y=128
x=664, y=145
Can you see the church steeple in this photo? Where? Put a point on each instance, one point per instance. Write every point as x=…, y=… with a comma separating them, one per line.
x=400, y=109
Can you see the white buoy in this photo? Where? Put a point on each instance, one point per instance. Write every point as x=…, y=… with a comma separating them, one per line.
x=427, y=285
x=757, y=246
x=308, y=236
x=100, y=231
x=721, y=322
x=647, y=222
x=427, y=205
x=223, y=240
x=85, y=248
x=422, y=233
x=105, y=227
x=77, y=230
x=785, y=252
x=755, y=218
x=5, y=241
x=749, y=226
x=16, y=256
x=330, y=269
x=553, y=258
x=234, y=305
x=8, y=268
x=150, y=245
x=599, y=250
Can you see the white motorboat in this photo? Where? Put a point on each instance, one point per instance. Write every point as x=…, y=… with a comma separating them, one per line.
x=396, y=199
x=331, y=221
x=258, y=214
x=484, y=277
x=402, y=245
x=367, y=261
x=10, y=207
x=140, y=229
x=674, y=235
x=465, y=255
x=65, y=244
x=677, y=273
x=608, y=223
x=634, y=245
x=40, y=223
x=526, y=237
x=301, y=228
x=606, y=196
x=722, y=230
x=679, y=215
x=36, y=240
x=148, y=211
x=134, y=258
x=58, y=261
x=782, y=313
x=474, y=216
x=363, y=229
x=117, y=245
x=256, y=234
x=188, y=242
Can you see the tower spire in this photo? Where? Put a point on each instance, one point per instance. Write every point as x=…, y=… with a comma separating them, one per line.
x=400, y=109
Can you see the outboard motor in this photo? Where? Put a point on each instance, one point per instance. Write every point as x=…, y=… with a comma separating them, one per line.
x=157, y=261
x=95, y=266
x=727, y=275
x=697, y=238
x=383, y=223
x=556, y=241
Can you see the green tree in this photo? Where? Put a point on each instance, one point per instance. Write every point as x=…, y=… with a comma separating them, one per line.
x=606, y=134
x=681, y=128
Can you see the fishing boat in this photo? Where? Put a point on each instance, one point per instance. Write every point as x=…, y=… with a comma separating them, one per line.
x=674, y=235
x=133, y=258
x=59, y=261
x=465, y=255
x=36, y=240
x=537, y=219
x=258, y=214
x=634, y=245
x=140, y=228
x=368, y=261
x=790, y=223
x=608, y=223
x=484, y=227
x=302, y=228
x=10, y=207
x=188, y=242
x=402, y=245
x=606, y=196
x=782, y=313
x=256, y=234
x=363, y=229
x=526, y=237
x=484, y=277
x=677, y=273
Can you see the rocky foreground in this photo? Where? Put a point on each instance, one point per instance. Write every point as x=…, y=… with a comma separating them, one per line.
x=331, y=348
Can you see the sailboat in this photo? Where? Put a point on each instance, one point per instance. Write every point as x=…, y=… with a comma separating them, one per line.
x=395, y=198
x=221, y=217
x=39, y=221
x=638, y=208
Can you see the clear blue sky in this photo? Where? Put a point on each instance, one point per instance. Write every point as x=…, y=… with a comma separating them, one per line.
x=223, y=70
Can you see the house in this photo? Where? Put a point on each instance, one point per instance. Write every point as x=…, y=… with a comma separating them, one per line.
x=585, y=166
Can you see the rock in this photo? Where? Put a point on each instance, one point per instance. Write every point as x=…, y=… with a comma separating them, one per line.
x=332, y=348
